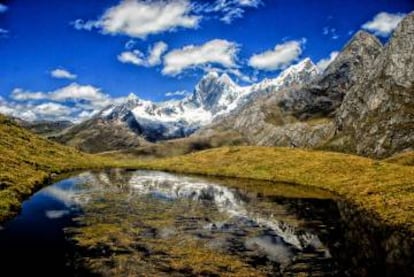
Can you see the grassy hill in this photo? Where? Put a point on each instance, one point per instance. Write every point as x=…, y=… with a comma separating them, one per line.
x=27, y=160
x=405, y=158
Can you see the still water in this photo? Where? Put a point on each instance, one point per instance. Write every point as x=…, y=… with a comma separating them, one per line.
x=145, y=223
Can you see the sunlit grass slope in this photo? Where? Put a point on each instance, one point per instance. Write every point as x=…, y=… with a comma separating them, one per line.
x=27, y=160
x=406, y=158
x=382, y=189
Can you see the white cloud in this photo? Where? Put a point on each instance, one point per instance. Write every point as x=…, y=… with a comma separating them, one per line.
x=156, y=52
x=73, y=102
x=138, y=58
x=55, y=214
x=278, y=58
x=51, y=109
x=217, y=51
x=231, y=15
x=383, y=23
x=331, y=32
x=61, y=73
x=3, y=8
x=242, y=76
x=323, y=63
x=44, y=111
x=134, y=57
x=142, y=18
x=228, y=10
x=177, y=93
x=80, y=24
x=90, y=96
x=130, y=44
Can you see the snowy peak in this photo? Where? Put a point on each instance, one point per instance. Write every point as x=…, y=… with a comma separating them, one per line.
x=225, y=80
x=214, y=91
x=300, y=73
x=132, y=97
x=214, y=95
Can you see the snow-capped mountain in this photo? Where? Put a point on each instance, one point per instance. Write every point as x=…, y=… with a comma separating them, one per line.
x=300, y=73
x=215, y=95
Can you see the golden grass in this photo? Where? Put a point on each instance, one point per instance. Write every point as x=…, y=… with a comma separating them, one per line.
x=406, y=158
x=382, y=189
x=27, y=160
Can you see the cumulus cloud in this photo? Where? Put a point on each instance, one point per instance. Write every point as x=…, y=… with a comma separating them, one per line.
x=74, y=92
x=134, y=57
x=44, y=111
x=156, y=52
x=278, y=58
x=73, y=102
x=51, y=109
x=61, y=73
x=383, y=23
x=323, y=63
x=142, y=18
x=218, y=51
x=138, y=58
x=3, y=8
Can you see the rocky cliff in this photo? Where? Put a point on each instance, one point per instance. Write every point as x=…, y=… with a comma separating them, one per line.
x=376, y=117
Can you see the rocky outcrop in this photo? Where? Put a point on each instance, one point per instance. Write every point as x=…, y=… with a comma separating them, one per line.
x=98, y=135
x=44, y=127
x=325, y=94
x=376, y=117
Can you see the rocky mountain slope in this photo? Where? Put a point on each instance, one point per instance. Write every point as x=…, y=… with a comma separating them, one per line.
x=376, y=117
x=44, y=127
x=301, y=115
x=363, y=103
x=137, y=122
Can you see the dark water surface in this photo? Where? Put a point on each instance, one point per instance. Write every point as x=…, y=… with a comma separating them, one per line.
x=133, y=223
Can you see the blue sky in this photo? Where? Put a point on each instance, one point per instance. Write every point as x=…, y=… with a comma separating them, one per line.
x=67, y=59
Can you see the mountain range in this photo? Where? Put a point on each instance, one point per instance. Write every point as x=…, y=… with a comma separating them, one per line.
x=363, y=103
x=136, y=121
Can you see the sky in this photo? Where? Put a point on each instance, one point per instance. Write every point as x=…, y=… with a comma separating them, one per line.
x=67, y=59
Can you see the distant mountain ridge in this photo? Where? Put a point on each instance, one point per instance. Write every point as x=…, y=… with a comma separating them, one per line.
x=214, y=96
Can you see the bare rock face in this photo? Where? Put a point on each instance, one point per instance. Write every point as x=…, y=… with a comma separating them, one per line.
x=325, y=94
x=263, y=122
x=376, y=117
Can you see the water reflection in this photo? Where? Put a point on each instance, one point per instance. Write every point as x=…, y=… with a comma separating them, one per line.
x=168, y=186
x=132, y=223
x=229, y=219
